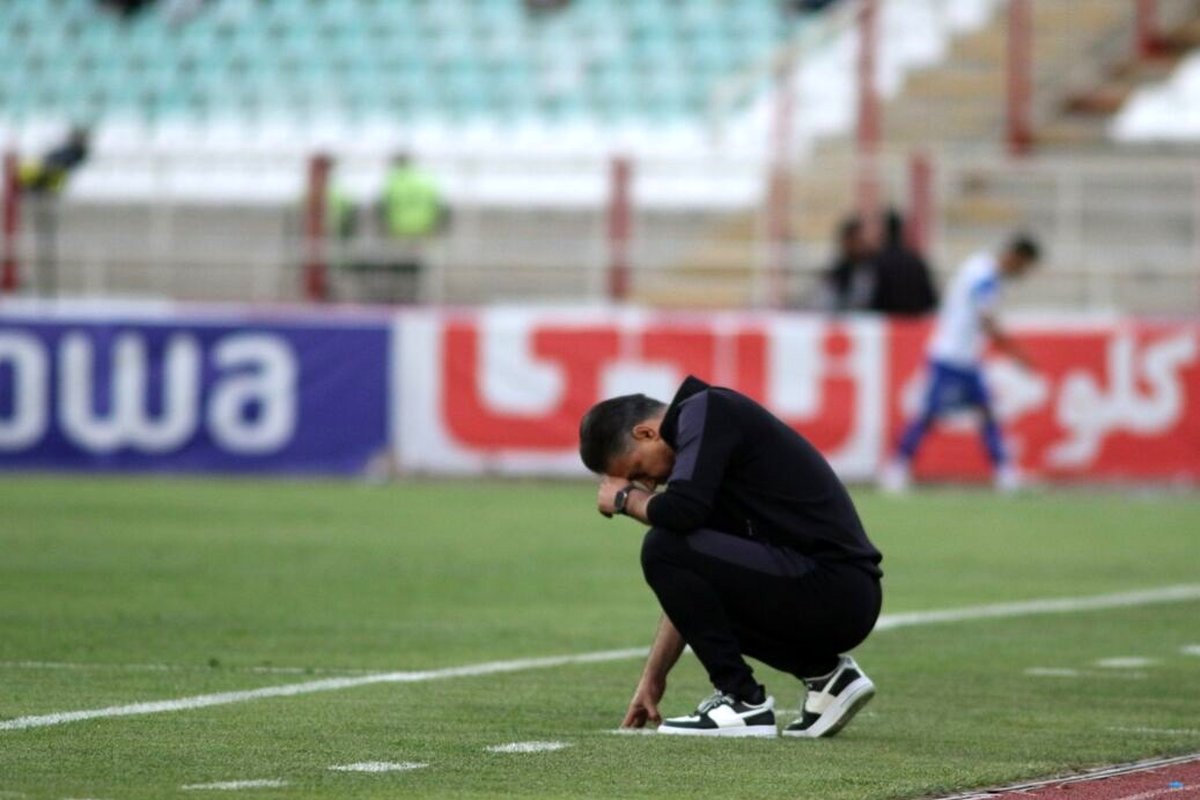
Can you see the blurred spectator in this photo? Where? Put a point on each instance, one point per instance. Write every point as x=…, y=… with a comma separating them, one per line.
x=412, y=204
x=412, y=213
x=341, y=221
x=849, y=283
x=902, y=281
x=126, y=8
x=538, y=6
x=49, y=174
x=806, y=6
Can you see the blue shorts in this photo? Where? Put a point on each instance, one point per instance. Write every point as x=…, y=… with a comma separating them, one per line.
x=953, y=387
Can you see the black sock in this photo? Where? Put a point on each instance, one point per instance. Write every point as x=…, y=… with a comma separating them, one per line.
x=758, y=697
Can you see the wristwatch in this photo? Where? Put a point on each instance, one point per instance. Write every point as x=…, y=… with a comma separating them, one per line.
x=622, y=497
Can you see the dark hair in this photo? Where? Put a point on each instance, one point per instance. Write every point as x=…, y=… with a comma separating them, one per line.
x=849, y=226
x=893, y=228
x=1025, y=246
x=606, y=430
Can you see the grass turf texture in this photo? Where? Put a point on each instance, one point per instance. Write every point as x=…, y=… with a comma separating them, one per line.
x=214, y=579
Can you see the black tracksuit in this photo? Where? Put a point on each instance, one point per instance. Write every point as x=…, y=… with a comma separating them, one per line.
x=756, y=548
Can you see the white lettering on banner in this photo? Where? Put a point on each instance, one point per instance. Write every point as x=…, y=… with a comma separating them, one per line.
x=269, y=388
x=504, y=389
x=128, y=422
x=807, y=359
x=26, y=423
x=797, y=364
x=1090, y=413
x=252, y=408
x=1018, y=390
x=514, y=380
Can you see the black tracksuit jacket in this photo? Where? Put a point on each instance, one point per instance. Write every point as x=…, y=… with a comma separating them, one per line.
x=741, y=470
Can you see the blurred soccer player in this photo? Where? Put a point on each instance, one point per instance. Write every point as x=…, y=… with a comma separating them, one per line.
x=755, y=549
x=967, y=318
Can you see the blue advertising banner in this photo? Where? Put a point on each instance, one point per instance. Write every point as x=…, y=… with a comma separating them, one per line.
x=179, y=394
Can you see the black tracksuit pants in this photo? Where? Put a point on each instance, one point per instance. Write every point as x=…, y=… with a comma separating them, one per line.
x=729, y=597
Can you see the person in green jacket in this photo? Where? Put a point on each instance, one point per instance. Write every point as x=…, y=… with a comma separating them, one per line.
x=412, y=212
x=412, y=204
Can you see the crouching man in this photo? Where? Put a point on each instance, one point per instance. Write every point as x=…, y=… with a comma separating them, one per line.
x=755, y=549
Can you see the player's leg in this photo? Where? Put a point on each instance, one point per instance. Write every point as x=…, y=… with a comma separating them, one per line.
x=993, y=435
x=842, y=603
x=896, y=475
x=697, y=608
x=811, y=626
x=729, y=596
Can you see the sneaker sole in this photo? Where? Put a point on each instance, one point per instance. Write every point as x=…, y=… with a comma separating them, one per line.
x=838, y=715
x=747, y=732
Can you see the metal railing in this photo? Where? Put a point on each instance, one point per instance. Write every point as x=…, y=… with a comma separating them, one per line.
x=1118, y=232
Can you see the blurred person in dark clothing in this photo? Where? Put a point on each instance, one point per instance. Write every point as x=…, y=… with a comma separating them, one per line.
x=902, y=281
x=49, y=173
x=807, y=6
x=849, y=283
x=126, y=8
x=539, y=6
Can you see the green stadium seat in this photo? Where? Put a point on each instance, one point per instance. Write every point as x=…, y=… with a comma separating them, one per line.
x=455, y=59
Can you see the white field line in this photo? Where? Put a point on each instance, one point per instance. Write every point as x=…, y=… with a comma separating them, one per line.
x=1067, y=672
x=1158, y=731
x=1065, y=605
x=324, y=685
x=233, y=786
x=1025, y=608
x=1126, y=662
x=379, y=766
x=527, y=747
x=116, y=667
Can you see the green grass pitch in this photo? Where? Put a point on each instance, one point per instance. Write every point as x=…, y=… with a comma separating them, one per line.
x=128, y=590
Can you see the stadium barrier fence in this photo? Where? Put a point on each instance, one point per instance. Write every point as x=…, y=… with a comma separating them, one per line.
x=236, y=389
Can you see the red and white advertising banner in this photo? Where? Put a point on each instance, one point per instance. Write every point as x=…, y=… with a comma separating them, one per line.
x=502, y=390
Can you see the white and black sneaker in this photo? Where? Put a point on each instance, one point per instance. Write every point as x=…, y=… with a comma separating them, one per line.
x=724, y=715
x=832, y=701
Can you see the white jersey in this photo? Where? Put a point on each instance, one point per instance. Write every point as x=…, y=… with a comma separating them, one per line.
x=974, y=292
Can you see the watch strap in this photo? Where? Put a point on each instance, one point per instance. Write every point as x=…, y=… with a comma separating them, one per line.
x=621, y=498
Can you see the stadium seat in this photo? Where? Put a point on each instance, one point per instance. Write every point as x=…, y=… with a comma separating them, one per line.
x=244, y=58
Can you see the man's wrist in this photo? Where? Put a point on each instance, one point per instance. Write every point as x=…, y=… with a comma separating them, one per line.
x=622, y=497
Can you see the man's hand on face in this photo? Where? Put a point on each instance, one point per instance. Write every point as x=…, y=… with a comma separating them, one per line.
x=609, y=486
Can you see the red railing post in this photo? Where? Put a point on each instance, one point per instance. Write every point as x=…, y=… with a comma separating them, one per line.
x=1020, y=77
x=316, y=261
x=870, y=128
x=918, y=231
x=620, y=227
x=10, y=199
x=779, y=196
x=1148, y=41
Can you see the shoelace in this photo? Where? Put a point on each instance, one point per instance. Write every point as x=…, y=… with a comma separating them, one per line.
x=717, y=699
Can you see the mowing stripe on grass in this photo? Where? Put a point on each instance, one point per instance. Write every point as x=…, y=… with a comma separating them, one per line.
x=1065, y=605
